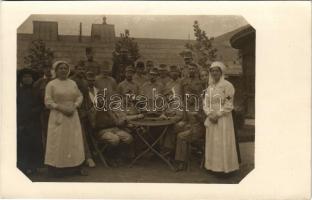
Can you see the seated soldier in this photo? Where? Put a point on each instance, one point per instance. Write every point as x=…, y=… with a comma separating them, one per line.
x=111, y=128
x=190, y=130
x=174, y=112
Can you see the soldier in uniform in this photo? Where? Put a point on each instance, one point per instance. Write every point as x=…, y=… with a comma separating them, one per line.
x=151, y=85
x=39, y=88
x=92, y=91
x=191, y=129
x=149, y=65
x=174, y=84
x=204, y=77
x=139, y=78
x=90, y=64
x=110, y=128
x=105, y=82
x=192, y=88
x=174, y=111
x=188, y=59
x=80, y=79
x=163, y=74
x=128, y=88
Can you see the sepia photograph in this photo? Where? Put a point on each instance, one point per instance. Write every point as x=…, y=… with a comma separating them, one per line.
x=155, y=100
x=135, y=98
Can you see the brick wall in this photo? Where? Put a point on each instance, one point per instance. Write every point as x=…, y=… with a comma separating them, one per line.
x=159, y=50
x=69, y=48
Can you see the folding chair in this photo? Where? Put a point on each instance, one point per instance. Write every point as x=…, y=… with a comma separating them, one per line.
x=200, y=145
x=100, y=147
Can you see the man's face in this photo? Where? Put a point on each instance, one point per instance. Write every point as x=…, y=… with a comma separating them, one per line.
x=188, y=60
x=163, y=73
x=104, y=71
x=140, y=70
x=153, y=77
x=129, y=75
x=80, y=70
x=204, y=75
x=91, y=81
x=192, y=71
x=149, y=66
x=174, y=75
x=47, y=71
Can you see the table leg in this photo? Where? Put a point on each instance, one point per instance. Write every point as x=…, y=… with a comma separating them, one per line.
x=151, y=148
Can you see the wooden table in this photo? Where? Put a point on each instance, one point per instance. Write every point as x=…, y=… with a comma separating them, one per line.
x=149, y=123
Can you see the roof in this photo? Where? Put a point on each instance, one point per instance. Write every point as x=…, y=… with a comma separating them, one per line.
x=246, y=34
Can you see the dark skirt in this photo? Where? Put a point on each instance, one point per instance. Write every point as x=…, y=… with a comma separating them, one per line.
x=29, y=148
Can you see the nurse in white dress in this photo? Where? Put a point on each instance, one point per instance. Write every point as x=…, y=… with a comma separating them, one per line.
x=220, y=153
x=64, y=147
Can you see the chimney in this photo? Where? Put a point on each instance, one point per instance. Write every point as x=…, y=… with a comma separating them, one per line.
x=80, y=31
x=45, y=30
x=103, y=32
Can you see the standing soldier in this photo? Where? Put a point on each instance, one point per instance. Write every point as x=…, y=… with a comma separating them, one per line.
x=188, y=59
x=204, y=77
x=128, y=88
x=90, y=64
x=174, y=84
x=39, y=88
x=192, y=126
x=192, y=88
x=86, y=105
x=163, y=75
x=152, y=84
x=121, y=60
x=92, y=90
x=149, y=65
x=139, y=78
x=104, y=81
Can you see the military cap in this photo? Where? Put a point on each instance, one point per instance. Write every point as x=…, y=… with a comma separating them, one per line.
x=174, y=68
x=105, y=66
x=188, y=55
x=129, y=68
x=123, y=50
x=162, y=67
x=90, y=75
x=192, y=65
x=154, y=71
x=140, y=64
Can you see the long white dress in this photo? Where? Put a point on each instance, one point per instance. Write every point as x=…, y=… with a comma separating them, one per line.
x=220, y=154
x=64, y=137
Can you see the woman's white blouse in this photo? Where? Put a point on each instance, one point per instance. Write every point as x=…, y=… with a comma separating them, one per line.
x=219, y=98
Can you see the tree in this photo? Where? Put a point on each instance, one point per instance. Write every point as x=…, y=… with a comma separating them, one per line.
x=126, y=53
x=39, y=55
x=202, y=47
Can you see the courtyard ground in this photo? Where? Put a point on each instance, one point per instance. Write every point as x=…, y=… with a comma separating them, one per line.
x=154, y=170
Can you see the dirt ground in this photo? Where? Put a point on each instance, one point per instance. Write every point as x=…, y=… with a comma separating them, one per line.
x=154, y=170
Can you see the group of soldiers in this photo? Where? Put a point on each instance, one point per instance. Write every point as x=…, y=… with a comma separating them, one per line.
x=113, y=127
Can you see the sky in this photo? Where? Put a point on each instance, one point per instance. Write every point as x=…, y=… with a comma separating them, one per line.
x=142, y=26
